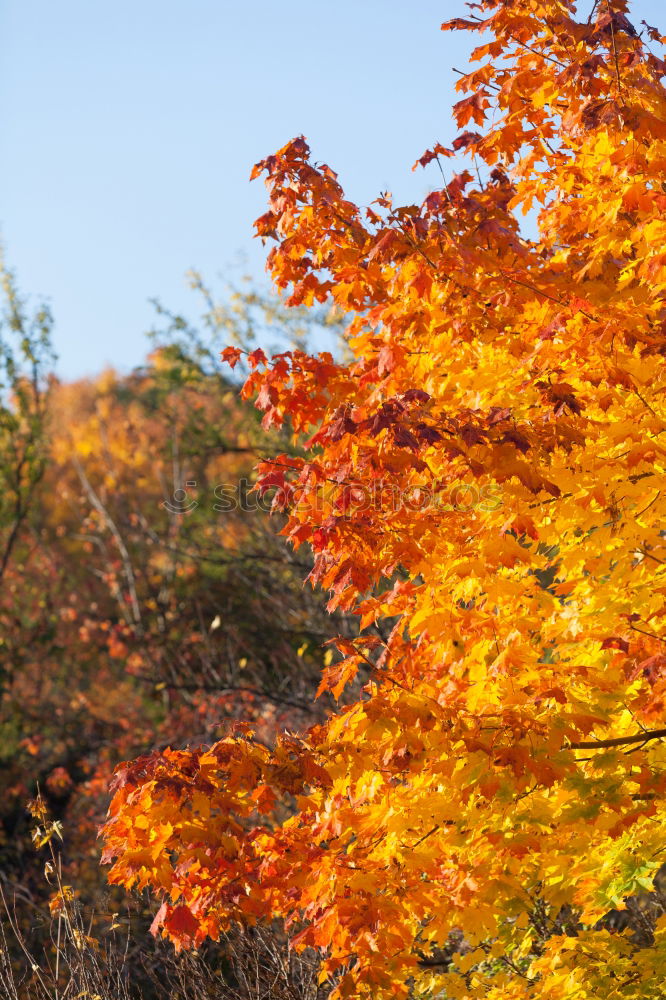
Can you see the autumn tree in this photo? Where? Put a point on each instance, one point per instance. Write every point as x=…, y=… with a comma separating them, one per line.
x=25, y=363
x=484, y=472
x=148, y=600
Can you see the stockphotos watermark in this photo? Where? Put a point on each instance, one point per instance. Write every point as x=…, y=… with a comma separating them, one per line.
x=351, y=500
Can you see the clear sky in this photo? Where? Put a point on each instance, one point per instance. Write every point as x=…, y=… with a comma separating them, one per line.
x=129, y=130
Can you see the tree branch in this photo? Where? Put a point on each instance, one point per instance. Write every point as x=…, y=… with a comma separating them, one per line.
x=619, y=741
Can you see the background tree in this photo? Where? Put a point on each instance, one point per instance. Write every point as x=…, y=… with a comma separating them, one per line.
x=25, y=360
x=140, y=611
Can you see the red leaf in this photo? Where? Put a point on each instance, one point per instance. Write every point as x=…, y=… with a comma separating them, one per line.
x=404, y=438
x=472, y=107
x=267, y=396
x=415, y=396
x=498, y=413
x=431, y=154
x=652, y=668
x=615, y=642
x=257, y=357
x=231, y=355
x=181, y=923
x=466, y=139
x=387, y=360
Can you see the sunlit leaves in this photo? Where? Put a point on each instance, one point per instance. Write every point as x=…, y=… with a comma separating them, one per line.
x=483, y=481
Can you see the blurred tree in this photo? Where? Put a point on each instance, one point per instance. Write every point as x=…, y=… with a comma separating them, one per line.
x=151, y=599
x=26, y=357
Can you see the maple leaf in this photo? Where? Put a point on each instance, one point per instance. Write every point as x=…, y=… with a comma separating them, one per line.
x=387, y=359
x=465, y=140
x=404, y=438
x=336, y=677
x=231, y=356
x=416, y=396
x=432, y=154
x=470, y=107
x=257, y=357
x=651, y=668
x=616, y=642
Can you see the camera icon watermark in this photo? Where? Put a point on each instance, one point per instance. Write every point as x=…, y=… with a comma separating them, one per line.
x=181, y=502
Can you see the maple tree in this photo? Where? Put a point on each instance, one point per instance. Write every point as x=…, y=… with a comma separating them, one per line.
x=484, y=472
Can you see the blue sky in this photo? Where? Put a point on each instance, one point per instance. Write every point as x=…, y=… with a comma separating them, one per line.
x=129, y=130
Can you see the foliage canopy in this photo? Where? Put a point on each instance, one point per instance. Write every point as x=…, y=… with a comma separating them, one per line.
x=484, y=472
